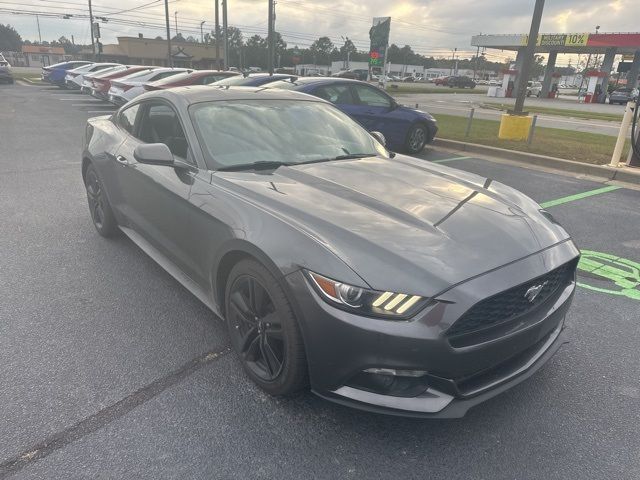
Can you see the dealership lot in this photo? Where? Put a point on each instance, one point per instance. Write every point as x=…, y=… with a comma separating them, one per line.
x=110, y=369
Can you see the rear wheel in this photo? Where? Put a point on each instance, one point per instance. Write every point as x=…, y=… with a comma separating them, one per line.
x=99, y=207
x=263, y=330
x=416, y=138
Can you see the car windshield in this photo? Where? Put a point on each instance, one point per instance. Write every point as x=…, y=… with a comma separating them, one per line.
x=234, y=133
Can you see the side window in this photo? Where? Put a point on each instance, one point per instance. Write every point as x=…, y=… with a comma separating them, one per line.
x=370, y=96
x=127, y=118
x=160, y=124
x=338, y=94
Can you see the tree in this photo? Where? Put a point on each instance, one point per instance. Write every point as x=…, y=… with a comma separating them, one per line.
x=257, y=41
x=235, y=37
x=159, y=38
x=191, y=39
x=10, y=39
x=322, y=48
x=348, y=48
x=178, y=38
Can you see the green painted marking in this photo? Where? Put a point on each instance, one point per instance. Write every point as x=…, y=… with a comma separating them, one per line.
x=450, y=159
x=624, y=273
x=579, y=196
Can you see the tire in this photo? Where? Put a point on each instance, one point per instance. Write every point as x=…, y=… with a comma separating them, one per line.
x=417, y=138
x=264, y=331
x=99, y=207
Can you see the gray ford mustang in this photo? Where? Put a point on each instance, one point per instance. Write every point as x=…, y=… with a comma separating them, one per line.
x=383, y=282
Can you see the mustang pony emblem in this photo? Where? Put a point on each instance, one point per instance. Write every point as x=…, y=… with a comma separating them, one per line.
x=534, y=291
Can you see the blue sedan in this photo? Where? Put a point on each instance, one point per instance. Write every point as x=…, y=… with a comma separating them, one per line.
x=55, y=74
x=405, y=129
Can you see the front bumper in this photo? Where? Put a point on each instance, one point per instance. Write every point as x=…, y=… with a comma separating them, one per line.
x=340, y=346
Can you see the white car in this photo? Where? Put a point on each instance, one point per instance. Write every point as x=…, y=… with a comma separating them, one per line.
x=74, y=78
x=87, y=78
x=129, y=87
x=534, y=89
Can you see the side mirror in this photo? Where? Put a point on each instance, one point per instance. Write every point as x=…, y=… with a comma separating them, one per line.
x=153, y=154
x=379, y=137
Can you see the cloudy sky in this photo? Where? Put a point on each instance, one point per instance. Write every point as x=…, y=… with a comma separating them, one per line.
x=432, y=27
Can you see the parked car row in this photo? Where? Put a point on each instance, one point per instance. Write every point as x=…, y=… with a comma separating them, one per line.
x=404, y=129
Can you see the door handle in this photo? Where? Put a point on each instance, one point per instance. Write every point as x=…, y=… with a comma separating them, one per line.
x=122, y=160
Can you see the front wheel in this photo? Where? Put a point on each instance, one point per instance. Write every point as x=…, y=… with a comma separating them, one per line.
x=417, y=139
x=263, y=330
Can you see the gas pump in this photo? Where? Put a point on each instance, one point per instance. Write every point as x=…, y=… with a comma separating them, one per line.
x=553, y=91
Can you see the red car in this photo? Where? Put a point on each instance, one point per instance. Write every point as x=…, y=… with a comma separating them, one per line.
x=197, y=77
x=444, y=81
x=101, y=84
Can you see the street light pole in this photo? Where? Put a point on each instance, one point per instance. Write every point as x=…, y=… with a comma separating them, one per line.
x=40, y=35
x=217, y=33
x=225, y=34
x=175, y=15
x=202, y=32
x=453, y=60
x=528, y=57
x=166, y=14
x=270, y=38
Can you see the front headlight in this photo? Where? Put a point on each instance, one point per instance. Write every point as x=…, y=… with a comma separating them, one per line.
x=366, y=302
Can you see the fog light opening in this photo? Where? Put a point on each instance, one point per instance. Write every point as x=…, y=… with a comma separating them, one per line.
x=392, y=382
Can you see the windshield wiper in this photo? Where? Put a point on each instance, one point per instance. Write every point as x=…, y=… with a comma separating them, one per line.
x=262, y=165
x=349, y=156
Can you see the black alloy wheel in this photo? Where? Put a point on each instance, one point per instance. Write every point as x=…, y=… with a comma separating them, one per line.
x=416, y=139
x=99, y=207
x=256, y=328
x=263, y=330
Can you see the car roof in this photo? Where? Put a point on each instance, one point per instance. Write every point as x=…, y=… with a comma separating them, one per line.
x=210, y=93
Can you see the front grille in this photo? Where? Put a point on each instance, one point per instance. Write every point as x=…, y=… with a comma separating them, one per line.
x=511, y=304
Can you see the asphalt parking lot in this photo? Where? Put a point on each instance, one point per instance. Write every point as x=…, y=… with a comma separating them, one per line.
x=110, y=369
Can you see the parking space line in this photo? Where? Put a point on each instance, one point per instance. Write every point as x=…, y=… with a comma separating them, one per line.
x=104, y=417
x=579, y=196
x=101, y=111
x=444, y=160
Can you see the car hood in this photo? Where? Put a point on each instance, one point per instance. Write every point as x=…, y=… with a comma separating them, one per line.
x=402, y=224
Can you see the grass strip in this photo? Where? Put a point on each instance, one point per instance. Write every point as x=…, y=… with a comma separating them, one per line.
x=561, y=112
x=583, y=147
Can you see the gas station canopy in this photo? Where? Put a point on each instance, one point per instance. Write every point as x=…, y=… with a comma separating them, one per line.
x=624, y=43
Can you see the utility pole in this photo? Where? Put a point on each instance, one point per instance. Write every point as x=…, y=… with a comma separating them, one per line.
x=225, y=34
x=201, y=32
x=528, y=57
x=166, y=15
x=38, y=22
x=270, y=38
x=175, y=15
x=217, y=33
x=93, y=41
